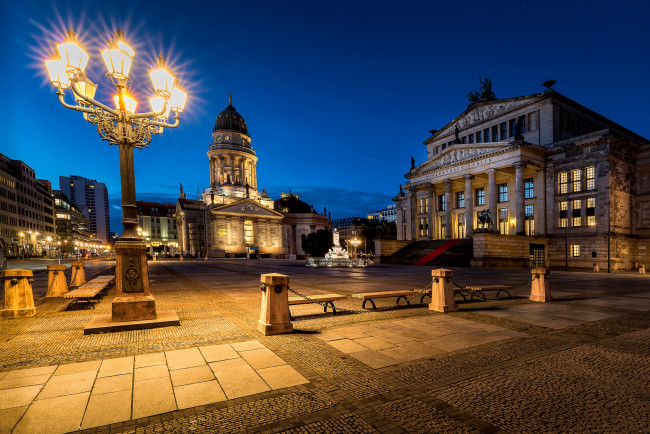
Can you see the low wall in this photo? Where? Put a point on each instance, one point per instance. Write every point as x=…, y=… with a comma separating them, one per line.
x=385, y=248
x=504, y=251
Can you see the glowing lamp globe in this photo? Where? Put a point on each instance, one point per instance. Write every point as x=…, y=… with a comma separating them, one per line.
x=129, y=103
x=118, y=57
x=86, y=87
x=56, y=71
x=177, y=100
x=162, y=80
x=157, y=104
x=73, y=56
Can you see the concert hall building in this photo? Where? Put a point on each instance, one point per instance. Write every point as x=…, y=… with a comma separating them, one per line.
x=565, y=186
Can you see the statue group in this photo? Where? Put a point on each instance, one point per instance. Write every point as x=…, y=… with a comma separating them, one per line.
x=485, y=220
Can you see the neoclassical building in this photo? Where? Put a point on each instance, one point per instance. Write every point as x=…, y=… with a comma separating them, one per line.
x=232, y=218
x=565, y=186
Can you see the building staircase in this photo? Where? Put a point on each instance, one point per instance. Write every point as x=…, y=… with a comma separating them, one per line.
x=448, y=253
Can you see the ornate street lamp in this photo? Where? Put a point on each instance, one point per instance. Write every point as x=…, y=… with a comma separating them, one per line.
x=127, y=129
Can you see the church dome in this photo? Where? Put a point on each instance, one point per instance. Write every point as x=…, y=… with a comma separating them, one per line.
x=289, y=203
x=230, y=120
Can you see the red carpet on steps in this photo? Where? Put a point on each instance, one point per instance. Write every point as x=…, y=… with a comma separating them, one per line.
x=439, y=251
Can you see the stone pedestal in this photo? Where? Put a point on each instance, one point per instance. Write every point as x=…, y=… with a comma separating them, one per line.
x=19, y=298
x=78, y=274
x=133, y=300
x=641, y=269
x=274, y=314
x=442, y=291
x=56, y=283
x=540, y=289
x=596, y=268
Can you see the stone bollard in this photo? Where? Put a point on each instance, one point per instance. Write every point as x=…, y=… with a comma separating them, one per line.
x=596, y=269
x=78, y=274
x=540, y=289
x=641, y=269
x=274, y=315
x=182, y=258
x=19, y=298
x=442, y=291
x=155, y=258
x=56, y=284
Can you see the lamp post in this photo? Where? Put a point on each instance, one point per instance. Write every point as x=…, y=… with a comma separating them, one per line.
x=21, y=235
x=127, y=130
x=355, y=242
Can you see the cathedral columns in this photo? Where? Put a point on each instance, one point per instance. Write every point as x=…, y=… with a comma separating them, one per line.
x=255, y=175
x=448, y=206
x=412, y=212
x=492, y=195
x=212, y=174
x=469, y=206
x=519, y=198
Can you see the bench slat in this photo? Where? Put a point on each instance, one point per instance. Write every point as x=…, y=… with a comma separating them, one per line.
x=489, y=287
x=383, y=294
x=319, y=297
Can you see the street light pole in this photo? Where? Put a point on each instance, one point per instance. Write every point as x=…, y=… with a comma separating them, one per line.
x=127, y=130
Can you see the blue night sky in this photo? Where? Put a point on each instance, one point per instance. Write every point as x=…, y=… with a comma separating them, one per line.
x=337, y=95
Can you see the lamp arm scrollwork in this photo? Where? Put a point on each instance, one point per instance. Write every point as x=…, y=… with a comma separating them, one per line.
x=91, y=101
x=177, y=121
x=73, y=107
x=150, y=114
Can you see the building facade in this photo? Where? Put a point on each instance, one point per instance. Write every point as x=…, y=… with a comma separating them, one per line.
x=91, y=197
x=158, y=222
x=299, y=220
x=71, y=226
x=26, y=209
x=564, y=186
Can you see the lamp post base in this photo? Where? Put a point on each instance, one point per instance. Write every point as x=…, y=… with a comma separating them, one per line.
x=133, y=301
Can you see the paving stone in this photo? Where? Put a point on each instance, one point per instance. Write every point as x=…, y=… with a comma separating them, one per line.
x=119, y=366
x=144, y=360
x=115, y=383
x=24, y=381
x=278, y=377
x=195, y=394
x=68, y=384
x=374, y=359
x=73, y=368
x=180, y=359
x=19, y=396
x=151, y=372
x=237, y=378
x=32, y=372
x=153, y=396
x=262, y=358
x=347, y=346
x=248, y=345
x=107, y=408
x=373, y=343
x=196, y=374
x=215, y=353
x=9, y=417
x=54, y=415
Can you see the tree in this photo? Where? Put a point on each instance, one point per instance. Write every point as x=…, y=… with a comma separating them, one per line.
x=317, y=243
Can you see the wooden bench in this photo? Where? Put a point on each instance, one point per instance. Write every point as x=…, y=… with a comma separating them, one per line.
x=481, y=289
x=404, y=294
x=328, y=299
x=90, y=292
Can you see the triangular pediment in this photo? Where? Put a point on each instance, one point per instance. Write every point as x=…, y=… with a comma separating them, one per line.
x=459, y=153
x=246, y=207
x=482, y=112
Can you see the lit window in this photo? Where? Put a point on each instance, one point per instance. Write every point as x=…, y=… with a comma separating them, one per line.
x=590, y=175
x=503, y=193
x=443, y=227
x=591, y=211
x=576, y=213
x=529, y=220
x=442, y=202
x=503, y=221
x=576, y=180
x=564, y=214
x=461, y=225
x=423, y=206
x=248, y=231
x=480, y=196
x=460, y=199
x=563, y=182
x=529, y=188
x=575, y=250
x=424, y=227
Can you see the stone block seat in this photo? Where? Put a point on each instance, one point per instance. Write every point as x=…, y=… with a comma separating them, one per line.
x=90, y=292
x=400, y=294
x=326, y=300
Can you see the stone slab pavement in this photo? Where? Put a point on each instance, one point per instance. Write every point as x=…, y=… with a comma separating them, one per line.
x=577, y=364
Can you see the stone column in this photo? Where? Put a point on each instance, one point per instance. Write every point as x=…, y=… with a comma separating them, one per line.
x=448, y=205
x=232, y=170
x=413, y=203
x=78, y=276
x=212, y=170
x=254, y=174
x=493, y=196
x=274, y=314
x=431, y=198
x=19, y=298
x=56, y=284
x=519, y=198
x=540, y=289
x=442, y=291
x=469, y=206
x=242, y=172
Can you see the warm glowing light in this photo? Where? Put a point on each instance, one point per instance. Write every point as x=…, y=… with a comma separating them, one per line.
x=73, y=56
x=162, y=80
x=157, y=104
x=118, y=57
x=512, y=221
x=129, y=103
x=177, y=100
x=49, y=239
x=56, y=71
x=22, y=234
x=86, y=87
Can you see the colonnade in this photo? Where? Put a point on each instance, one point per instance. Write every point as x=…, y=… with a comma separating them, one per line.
x=233, y=170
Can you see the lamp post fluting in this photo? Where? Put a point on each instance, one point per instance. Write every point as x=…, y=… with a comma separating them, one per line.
x=127, y=130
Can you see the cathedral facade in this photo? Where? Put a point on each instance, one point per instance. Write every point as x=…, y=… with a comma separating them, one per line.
x=563, y=185
x=233, y=218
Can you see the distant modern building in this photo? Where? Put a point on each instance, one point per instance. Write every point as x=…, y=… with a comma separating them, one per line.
x=71, y=226
x=26, y=209
x=158, y=221
x=387, y=214
x=565, y=186
x=91, y=197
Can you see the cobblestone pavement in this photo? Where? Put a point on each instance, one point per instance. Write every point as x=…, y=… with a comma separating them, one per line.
x=582, y=369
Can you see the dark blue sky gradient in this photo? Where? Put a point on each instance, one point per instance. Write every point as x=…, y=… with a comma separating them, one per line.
x=337, y=95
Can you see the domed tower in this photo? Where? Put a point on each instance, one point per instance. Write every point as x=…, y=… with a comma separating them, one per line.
x=233, y=164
